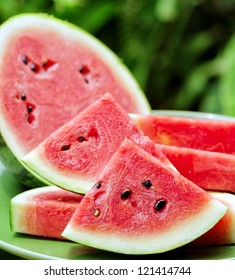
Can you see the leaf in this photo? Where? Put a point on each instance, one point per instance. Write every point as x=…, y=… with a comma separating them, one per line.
x=227, y=80
x=195, y=85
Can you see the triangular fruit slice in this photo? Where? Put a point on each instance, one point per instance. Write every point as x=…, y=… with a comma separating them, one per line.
x=209, y=170
x=43, y=211
x=138, y=206
x=46, y=212
x=216, y=135
x=223, y=233
x=76, y=153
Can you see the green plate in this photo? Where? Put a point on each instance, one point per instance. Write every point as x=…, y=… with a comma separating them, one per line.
x=30, y=247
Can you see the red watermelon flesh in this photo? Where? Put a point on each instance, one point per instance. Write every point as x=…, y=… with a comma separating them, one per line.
x=49, y=72
x=46, y=212
x=43, y=211
x=204, y=134
x=224, y=231
x=209, y=170
x=138, y=206
x=75, y=154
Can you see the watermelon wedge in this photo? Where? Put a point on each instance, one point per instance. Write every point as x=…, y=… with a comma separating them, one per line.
x=224, y=231
x=43, y=211
x=209, y=170
x=197, y=133
x=138, y=206
x=46, y=212
x=76, y=153
x=50, y=70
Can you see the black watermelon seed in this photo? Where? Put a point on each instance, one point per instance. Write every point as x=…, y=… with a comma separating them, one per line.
x=81, y=139
x=23, y=96
x=147, y=183
x=29, y=108
x=97, y=185
x=160, y=204
x=125, y=194
x=25, y=59
x=34, y=67
x=65, y=147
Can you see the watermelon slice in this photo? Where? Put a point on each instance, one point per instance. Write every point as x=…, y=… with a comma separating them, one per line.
x=33, y=212
x=50, y=71
x=224, y=231
x=43, y=211
x=76, y=153
x=197, y=133
x=138, y=206
x=209, y=170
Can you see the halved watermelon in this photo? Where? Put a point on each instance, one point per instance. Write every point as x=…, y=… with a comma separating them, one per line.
x=50, y=70
x=224, y=231
x=138, y=206
x=209, y=170
x=197, y=133
x=76, y=153
x=43, y=211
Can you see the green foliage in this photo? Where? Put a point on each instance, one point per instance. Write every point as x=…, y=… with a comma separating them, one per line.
x=181, y=52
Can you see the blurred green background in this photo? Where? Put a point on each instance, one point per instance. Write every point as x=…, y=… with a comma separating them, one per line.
x=182, y=52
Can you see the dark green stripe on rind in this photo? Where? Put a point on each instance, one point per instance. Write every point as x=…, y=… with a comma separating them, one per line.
x=17, y=168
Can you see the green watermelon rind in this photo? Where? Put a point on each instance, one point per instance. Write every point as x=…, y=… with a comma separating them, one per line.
x=18, y=169
x=10, y=148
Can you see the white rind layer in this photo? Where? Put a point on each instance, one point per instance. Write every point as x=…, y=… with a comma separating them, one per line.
x=19, y=206
x=173, y=238
x=36, y=161
x=229, y=200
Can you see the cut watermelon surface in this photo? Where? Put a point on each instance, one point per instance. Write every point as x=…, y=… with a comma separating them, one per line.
x=46, y=212
x=209, y=170
x=77, y=152
x=50, y=71
x=200, y=149
x=138, y=206
x=43, y=211
x=197, y=133
x=224, y=231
